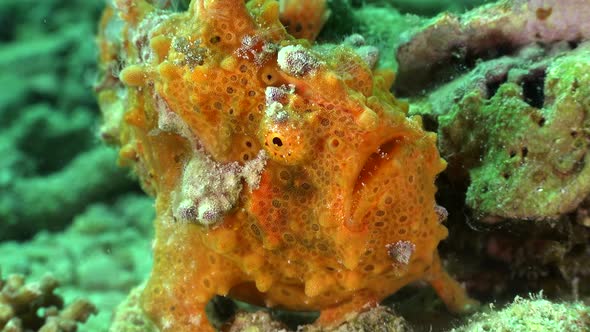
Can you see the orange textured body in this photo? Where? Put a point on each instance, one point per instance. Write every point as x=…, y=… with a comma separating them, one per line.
x=303, y=19
x=284, y=175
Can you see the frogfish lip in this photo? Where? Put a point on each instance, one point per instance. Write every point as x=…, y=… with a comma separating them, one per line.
x=378, y=165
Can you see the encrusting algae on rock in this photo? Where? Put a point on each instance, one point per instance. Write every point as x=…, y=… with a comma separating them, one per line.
x=284, y=174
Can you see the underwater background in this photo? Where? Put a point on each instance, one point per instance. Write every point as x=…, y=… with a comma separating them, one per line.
x=516, y=186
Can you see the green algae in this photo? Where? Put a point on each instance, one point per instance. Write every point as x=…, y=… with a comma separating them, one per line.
x=519, y=128
x=531, y=315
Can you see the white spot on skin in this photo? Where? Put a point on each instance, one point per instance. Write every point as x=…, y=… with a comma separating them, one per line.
x=441, y=213
x=168, y=121
x=253, y=169
x=278, y=94
x=144, y=32
x=196, y=320
x=276, y=99
x=401, y=251
x=190, y=52
x=255, y=49
x=276, y=112
x=209, y=190
x=166, y=323
x=296, y=60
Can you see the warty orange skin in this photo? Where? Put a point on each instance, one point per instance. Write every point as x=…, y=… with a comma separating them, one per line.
x=284, y=175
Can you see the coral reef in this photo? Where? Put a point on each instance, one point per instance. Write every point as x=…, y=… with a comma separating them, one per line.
x=379, y=318
x=424, y=7
x=65, y=207
x=35, y=307
x=48, y=113
x=449, y=43
x=530, y=110
x=39, y=202
x=549, y=258
x=256, y=322
x=535, y=128
x=381, y=26
x=280, y=171
x=510, y=106
x=131, y=318
x=534, y=314
x=508, y=78
x=101, y=256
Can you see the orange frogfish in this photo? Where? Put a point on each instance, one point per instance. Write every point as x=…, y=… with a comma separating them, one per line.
x=285, y=173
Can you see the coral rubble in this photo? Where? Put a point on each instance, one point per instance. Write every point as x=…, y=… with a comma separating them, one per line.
x=256, y=322
x=131, y=318
x=35, y=307
x=282, y=172
x=104, y=253
x=379, y=318
x=533, y=314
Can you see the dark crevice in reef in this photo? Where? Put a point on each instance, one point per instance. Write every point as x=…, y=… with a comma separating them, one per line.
x=7, y=33
x=459, y=58
x=533, y=88
x=342, y=22
x=430, y=122
x=492, y=85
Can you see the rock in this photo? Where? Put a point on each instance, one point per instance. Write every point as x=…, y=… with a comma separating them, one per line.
x=517, y=128
x=450, y=43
